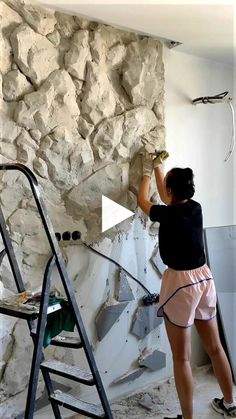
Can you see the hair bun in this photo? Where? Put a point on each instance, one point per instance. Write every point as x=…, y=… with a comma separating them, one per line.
x=181, y=182
x=189, y=172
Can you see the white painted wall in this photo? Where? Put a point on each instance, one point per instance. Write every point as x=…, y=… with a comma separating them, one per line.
x=234, y=163
x=234, y=88
x=234, y=85
x=199, y=137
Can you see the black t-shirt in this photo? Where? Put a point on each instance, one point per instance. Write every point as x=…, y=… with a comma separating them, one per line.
x=180, y=234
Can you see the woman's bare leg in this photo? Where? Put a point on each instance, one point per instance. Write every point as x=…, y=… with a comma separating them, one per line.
x=180, y=342
x=209, y=334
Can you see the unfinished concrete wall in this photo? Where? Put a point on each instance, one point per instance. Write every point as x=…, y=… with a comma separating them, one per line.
x=79, y=100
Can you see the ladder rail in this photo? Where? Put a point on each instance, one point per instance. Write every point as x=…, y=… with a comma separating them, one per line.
x=8, y=249
x=48, y=227
x=10, y=253
x=38, y=353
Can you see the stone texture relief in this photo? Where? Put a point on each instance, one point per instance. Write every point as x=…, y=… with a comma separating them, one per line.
x=78, y=101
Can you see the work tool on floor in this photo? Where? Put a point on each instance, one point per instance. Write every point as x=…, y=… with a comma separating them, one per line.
x=89, y=378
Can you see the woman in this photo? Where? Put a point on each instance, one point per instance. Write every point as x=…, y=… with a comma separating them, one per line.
x=187, y=293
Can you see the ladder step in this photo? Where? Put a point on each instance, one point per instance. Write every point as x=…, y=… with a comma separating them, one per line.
x=68, y=371
x=78, y=406
x=23, y=311
x=20, y=312
x=66, y=341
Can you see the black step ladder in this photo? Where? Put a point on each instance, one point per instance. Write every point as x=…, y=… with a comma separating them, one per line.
x=91, y=377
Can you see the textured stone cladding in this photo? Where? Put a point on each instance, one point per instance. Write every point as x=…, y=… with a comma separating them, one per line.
x=78, y=101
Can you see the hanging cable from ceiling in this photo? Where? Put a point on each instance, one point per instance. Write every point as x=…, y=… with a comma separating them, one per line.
x=221, y=98
x=232, y=144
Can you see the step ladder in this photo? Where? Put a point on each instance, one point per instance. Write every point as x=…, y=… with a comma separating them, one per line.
x=89, y=378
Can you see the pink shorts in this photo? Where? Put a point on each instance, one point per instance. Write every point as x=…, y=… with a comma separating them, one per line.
x=187, y=295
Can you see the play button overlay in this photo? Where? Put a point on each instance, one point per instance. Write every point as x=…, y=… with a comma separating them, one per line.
x=113, y=213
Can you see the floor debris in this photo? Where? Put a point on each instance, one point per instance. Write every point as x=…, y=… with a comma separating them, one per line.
x=156, y=401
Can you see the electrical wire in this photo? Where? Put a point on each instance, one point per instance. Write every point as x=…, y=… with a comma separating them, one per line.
x=232, y=143
x=151, y=298
x=210, y=99
x=121, y=267
x=219, y=98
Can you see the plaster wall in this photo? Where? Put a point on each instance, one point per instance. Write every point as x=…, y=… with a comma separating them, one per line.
x=79, y=101
x=73, y=124
x=234, y=86
x=199, y=137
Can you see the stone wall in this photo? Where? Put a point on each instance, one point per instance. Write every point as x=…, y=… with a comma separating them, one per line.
x=79, y=100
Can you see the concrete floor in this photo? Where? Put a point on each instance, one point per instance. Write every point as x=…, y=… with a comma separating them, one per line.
x=163, y=400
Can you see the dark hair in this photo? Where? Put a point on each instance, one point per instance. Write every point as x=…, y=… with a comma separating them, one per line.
x=180, y=181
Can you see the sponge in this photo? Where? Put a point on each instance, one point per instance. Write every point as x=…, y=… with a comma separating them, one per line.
x=160, y=157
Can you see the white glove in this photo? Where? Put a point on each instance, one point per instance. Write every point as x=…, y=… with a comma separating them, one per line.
x=147, y=160
x=160, y=157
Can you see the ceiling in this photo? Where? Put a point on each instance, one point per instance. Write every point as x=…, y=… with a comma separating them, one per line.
x=205, y=28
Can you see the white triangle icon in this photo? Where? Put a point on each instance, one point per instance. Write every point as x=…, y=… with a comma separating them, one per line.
x=113, y=213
